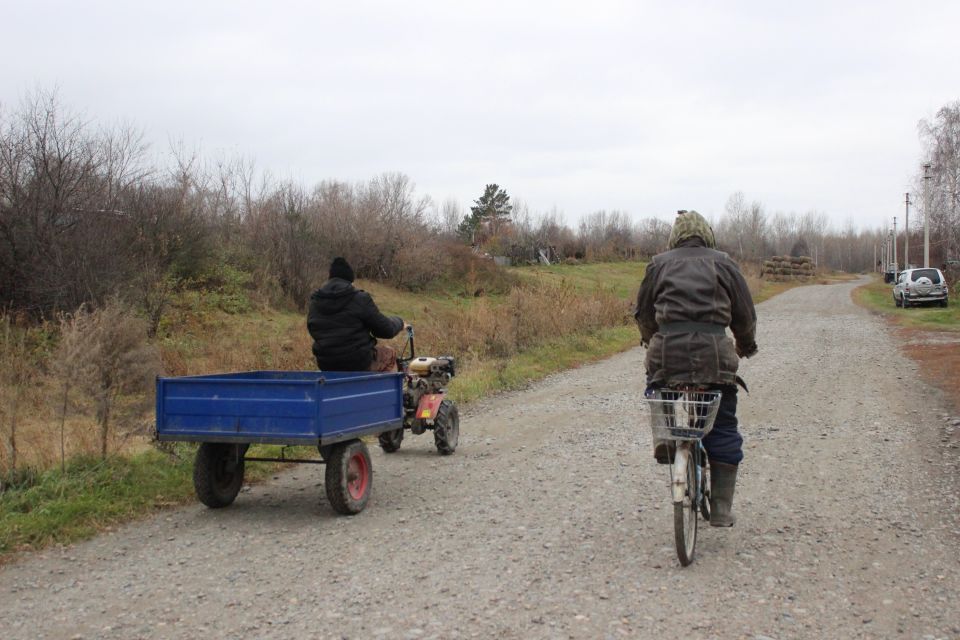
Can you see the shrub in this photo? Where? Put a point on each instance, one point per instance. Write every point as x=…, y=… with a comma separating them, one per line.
x=105, y=352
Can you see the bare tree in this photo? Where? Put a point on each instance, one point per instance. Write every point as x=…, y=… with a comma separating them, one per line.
x=941, y=139
x=783, y=232
x=607, y=235
x=732, y=231
x=451, y=213
x=61, y=219
x=653, y=235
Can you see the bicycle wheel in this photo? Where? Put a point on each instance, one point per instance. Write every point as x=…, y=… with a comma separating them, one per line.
x=685, y=516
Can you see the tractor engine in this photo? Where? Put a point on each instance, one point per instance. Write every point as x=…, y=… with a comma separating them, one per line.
x=425, y=376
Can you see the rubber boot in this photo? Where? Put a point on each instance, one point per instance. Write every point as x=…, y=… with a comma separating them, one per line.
x=723, y=480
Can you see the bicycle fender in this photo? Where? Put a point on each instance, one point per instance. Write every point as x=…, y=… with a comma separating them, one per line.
x=679, y=473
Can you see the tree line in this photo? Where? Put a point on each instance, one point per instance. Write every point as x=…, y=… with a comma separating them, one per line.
x=85, y=214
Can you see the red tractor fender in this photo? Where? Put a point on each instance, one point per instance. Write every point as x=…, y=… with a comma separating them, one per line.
x=428, y=407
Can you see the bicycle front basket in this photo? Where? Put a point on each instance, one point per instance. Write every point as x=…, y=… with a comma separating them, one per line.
x=682, y=415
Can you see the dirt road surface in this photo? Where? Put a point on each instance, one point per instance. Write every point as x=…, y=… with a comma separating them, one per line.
x=552, y=521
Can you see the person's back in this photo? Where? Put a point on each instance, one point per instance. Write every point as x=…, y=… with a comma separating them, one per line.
x=690, y=294
x=345, y=323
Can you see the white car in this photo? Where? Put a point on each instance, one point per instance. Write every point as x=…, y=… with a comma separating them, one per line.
x=918, y=286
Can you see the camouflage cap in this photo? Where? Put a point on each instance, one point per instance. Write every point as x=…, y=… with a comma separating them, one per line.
x=689, y=224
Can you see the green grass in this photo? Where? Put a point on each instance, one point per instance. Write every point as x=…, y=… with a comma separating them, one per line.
x=623, y=278
x=535, y=364
x=94, y=494
x=878, y=296
x=91, y=495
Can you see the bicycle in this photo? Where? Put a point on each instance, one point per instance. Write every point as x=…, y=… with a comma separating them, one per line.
x=684, y=416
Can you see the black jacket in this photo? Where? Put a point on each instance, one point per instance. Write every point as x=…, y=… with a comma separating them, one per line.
x=695, y=284
x=341, y=320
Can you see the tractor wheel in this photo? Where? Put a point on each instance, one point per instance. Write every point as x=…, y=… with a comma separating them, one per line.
x=446, y=428
x=390, y=440
x=349, y=476
x=218, y=473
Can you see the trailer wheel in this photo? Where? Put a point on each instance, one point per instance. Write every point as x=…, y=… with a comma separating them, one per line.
x=349, y=476
x=390, y=440
x=446, y=428
x=218, y=473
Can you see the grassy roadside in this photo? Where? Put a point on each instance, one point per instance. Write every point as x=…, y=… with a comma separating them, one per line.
x=43, y=508
x=877, y=296
x=535, y=364
x=930, y=336
x=94, y=495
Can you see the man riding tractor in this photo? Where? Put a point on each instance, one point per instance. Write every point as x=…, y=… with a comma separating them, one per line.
x=345, y=323
x=690, y=294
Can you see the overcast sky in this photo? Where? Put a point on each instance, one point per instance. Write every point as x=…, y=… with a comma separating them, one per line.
x=645, y=107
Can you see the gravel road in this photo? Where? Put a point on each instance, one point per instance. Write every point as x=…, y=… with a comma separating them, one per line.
x=553, y=521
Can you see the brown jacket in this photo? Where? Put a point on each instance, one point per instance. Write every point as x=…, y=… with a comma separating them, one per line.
x=694, y=284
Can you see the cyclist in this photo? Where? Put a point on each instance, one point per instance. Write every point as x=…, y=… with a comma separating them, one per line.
x=690, y=294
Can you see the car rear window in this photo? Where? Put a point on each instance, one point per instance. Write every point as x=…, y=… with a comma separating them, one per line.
x=933, y=274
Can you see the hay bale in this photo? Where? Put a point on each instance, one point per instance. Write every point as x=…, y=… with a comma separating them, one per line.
x=769, y=264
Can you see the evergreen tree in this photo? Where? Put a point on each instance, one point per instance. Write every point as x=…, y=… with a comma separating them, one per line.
x=493, y=207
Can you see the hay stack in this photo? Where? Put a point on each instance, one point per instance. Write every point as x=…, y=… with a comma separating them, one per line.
x=788, y=269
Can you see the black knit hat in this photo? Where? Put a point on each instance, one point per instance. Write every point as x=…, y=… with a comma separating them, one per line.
x=339, y=268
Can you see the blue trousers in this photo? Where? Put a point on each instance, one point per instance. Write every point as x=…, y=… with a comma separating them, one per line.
x=724, y=442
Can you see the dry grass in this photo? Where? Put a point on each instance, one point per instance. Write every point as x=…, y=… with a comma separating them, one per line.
x=198, y=336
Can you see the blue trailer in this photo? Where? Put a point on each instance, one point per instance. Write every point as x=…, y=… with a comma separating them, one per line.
x=228, y=412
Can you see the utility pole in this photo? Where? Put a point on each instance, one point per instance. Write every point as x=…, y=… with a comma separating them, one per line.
x=896, y=265
x=890, y=261
x=926, y=215
x=906, y=239
x=886, y=256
